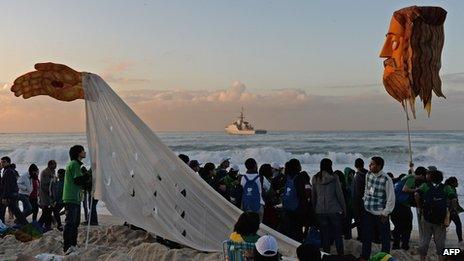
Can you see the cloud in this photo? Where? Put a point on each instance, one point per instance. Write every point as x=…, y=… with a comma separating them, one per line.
x=350, y=86
x=454, y=78
x=450, y=78
x=4, y=86
x=120, y=68
x=236, y=93
x=206, y=110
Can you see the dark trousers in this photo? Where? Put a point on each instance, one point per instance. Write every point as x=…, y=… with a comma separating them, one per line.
x=90, y=203
x=35, y=208
x=290, y=225
x=370, y=222
x=86, y=204
x=454, y=216
x=270, y=217
x=402, y=220
x=46, y=217
x=72, y=220
x=93, y=213
x=56, y=213
x=331, y=226
x=2, y=212
x=358, y=219
x=347, y=224
x=12, y=205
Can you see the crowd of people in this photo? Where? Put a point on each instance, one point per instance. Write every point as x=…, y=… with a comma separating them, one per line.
x=322, y=210
x=51, y=191
x=318, y=211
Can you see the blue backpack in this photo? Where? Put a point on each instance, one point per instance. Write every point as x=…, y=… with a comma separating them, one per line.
x=290, y=198
x=400, y=195
x=251, y=197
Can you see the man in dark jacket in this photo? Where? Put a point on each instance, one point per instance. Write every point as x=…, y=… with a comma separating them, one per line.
x=358, y=194
x=9, y=192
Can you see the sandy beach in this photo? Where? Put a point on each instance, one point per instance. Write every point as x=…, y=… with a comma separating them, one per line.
x=109, y=241
x=113, y=241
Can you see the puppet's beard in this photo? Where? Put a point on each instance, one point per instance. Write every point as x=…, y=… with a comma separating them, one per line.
x=398, y=85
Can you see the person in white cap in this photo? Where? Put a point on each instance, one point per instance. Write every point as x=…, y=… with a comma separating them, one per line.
x=221, y=170
x=266, y=248
x=276, y=169
x=278, y=178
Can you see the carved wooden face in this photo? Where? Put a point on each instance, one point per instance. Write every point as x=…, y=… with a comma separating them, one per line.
x=395, y=77
x=412, y=50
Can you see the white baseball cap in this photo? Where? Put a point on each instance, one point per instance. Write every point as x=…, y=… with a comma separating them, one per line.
x=267, y=246
x=224, y=159
x=276, y=165
x=234, y=167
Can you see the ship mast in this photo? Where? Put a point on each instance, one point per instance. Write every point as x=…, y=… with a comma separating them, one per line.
x=241, y=115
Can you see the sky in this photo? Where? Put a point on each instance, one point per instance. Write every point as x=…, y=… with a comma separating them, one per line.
x=191, y=65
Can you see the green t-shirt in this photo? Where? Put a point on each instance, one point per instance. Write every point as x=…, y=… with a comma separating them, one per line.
x=71, y=191
x=410, y=182
x=449, y=192
x=229, y=181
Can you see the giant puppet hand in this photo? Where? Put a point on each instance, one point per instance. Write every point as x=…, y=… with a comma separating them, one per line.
x=52, y=79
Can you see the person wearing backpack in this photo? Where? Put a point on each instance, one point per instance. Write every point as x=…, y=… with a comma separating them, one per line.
x=420, y=173
x=454, y=212
x=401, y=216
x=329, y=205
x=270, y=215
x=433, y=199
x=294, y=200
x=252, y=200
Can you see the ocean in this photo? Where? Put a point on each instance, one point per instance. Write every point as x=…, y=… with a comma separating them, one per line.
x=443, y=149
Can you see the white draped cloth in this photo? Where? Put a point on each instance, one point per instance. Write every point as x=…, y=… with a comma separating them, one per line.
x=143, y=182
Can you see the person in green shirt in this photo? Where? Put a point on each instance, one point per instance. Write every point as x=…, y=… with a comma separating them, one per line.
x=433, y=199
x=74, y=180
x=454, y=212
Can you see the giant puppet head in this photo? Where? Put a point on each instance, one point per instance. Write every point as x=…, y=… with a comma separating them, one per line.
x=413, y=50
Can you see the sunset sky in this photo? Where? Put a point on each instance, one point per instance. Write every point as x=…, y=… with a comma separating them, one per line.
x=191, y=65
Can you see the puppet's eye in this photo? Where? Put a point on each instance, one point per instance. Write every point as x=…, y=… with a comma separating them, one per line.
x=394, y=45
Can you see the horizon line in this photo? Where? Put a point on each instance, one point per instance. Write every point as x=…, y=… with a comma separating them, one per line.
x=269, y=131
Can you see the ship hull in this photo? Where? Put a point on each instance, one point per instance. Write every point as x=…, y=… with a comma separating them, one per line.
x=235, y=131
